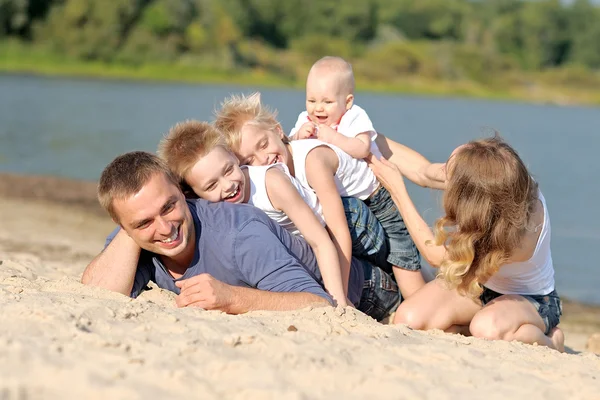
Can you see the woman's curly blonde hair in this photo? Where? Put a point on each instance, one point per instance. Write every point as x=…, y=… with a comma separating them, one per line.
x=488, y=202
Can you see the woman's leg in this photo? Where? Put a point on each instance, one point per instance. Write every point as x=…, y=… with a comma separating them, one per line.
x=513, y=317
x=436, y=307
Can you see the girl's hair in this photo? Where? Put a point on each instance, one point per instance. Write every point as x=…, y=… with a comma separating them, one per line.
x=239, y=110
x=488, y=202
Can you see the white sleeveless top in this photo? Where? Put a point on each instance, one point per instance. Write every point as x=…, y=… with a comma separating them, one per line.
x=260, y=199
x=534, y=276
x=353, y=177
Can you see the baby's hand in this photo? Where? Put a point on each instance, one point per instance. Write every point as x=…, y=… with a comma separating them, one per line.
x=307, y=130
x=326, y=133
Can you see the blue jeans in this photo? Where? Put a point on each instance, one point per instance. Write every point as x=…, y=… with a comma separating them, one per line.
x=380, y=296
x=403, y=252
x=368, y=237
x=549, y=306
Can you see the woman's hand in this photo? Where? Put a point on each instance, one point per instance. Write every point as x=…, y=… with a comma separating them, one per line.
x=386, y=172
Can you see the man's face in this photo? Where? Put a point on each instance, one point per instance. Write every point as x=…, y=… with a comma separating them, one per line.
x=157, y=217
x=326, y=102
x=217, y=177
x=261, y=146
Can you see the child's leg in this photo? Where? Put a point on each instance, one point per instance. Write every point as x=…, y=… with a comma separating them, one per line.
x=367, y=234
x=403, y=254
x=528, y=319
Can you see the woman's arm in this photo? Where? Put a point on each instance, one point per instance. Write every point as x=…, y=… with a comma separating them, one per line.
x=285, y=197
x=321, y=165
x=389, y=175
x=412, y=164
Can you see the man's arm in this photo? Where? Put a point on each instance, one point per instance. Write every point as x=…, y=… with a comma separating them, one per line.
x=412, y=164
x=115, y=267
x=206, y=292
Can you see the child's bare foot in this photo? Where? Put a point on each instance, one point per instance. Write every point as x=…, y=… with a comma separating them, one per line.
x=557, y=337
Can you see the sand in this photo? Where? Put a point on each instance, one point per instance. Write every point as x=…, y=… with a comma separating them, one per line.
x=60, y=339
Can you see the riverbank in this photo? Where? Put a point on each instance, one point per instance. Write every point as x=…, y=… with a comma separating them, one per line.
x=560, y=87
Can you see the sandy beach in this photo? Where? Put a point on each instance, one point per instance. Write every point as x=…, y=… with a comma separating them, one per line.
x=60, y=339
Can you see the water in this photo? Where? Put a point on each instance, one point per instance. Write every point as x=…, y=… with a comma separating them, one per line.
x=73, y=128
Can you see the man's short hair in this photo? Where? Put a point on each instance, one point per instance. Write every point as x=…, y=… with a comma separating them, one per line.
x=126, y=175
x=238, y=110
x=186, y=142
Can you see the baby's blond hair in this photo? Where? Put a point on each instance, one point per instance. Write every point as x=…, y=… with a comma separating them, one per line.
x=338, y=67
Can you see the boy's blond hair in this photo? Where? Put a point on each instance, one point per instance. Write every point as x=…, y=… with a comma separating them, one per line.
x=337, y=66
x=126, y=175
x=186, y=142
x=239, y=110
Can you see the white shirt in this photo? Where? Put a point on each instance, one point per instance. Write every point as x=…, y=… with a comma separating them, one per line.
x=354, y=122
x=534, y=276
x=260, y=199
x=353, y=177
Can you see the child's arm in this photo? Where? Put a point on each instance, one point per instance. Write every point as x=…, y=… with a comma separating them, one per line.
x=285, y=197
x=321, y=165
x=358, y=146
x=412, y=164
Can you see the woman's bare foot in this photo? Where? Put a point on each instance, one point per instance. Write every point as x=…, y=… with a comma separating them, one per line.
x=557, y=337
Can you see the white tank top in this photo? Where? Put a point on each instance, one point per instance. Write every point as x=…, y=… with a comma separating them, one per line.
x=534, y=276
x=353, y=177
x=260, y=199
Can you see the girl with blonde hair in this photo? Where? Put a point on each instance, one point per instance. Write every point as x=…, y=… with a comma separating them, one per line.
x=492, y=247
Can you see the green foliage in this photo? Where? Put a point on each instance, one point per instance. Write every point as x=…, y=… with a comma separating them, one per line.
x=466, y=42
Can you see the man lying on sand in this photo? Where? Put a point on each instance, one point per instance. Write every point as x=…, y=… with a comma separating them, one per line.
x=219, y=256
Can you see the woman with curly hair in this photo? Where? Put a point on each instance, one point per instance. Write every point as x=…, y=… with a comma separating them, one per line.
x=492, y=247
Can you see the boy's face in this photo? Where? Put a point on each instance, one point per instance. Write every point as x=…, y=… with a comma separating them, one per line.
x=217, y=177
x=261, y=146
x=326, y=100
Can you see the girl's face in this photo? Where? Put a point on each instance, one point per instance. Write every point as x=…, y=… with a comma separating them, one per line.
x=261, y=146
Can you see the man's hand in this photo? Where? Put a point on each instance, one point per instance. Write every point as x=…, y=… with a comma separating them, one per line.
x=206, y=292
x=306, y=131
x=326, y=133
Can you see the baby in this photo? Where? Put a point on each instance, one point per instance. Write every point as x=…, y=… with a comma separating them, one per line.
x=331, y=115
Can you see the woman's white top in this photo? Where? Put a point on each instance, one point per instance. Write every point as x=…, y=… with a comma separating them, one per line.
x=260, y=199
x=534, y=276
x=353, y=177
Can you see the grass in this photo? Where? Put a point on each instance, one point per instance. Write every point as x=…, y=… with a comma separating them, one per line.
x=18, y=58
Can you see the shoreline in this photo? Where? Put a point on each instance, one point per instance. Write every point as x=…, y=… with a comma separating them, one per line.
x=531, y=90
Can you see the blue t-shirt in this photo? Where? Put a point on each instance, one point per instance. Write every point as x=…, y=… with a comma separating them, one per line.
x=239, y=245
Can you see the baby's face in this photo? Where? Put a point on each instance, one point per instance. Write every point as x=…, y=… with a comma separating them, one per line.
x=218, y=177
x=326, y=101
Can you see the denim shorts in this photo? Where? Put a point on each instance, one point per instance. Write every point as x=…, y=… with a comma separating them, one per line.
x=380, y=296
x=403, y=252
x=367, y=234
x=549, y=306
